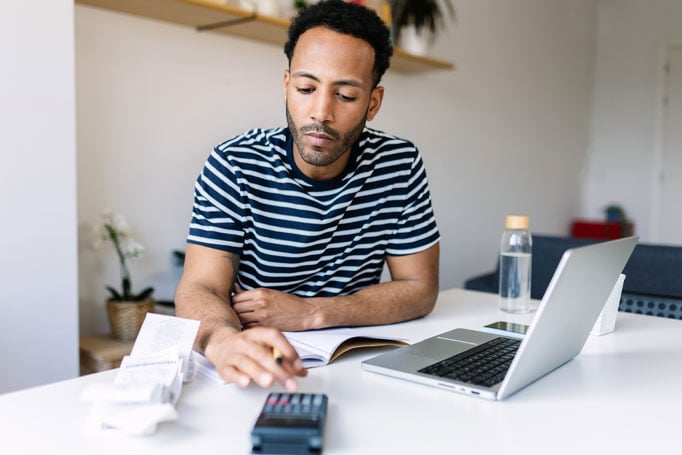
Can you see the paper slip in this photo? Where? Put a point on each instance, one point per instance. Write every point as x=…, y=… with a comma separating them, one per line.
x=161, y=332
x=138, y=393
x=148, y=384
x=136, y=420
x=163, y=370
x=206, y=369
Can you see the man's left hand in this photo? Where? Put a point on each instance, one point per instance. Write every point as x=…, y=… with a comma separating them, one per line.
x=263, y=307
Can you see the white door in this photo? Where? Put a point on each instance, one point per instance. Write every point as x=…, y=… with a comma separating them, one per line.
x=670, y=209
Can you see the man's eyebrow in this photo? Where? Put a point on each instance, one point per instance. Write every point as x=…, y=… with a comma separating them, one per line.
x=351, y=82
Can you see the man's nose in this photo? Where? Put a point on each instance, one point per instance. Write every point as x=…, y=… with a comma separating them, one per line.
x=323, y=108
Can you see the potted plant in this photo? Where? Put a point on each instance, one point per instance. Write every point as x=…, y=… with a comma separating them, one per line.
x=416, y=23
x=125, y=309
x=616, y=214
x=299, y=4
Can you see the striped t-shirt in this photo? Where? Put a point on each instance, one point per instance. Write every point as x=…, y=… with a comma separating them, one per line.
x=307, y=237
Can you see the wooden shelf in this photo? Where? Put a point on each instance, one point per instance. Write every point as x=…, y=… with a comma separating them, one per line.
x=200, y=13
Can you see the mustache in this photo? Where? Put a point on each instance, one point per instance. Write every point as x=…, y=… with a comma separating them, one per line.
x=320, y=128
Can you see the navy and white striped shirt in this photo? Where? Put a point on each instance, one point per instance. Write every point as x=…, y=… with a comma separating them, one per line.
x=308, y=237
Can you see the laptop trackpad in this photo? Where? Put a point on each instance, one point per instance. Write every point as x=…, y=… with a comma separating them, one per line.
x=450, y=343
x=429, y=351
x=437, y=348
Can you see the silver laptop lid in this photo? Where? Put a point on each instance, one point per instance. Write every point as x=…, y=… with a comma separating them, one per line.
x=578, y=293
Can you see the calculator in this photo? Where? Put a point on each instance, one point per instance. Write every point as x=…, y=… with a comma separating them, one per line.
x=290, y=423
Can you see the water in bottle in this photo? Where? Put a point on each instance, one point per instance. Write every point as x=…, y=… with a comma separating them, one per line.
x=515, y=265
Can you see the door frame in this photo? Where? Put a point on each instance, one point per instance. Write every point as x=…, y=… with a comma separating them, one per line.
x=656, y=178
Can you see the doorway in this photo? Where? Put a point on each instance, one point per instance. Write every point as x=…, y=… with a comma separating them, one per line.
x=670, y=176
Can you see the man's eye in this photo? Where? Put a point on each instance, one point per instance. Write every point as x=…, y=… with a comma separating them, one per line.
x=346, y=97
x=304, y=90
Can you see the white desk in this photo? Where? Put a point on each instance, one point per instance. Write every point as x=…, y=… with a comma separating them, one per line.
x=622, y=395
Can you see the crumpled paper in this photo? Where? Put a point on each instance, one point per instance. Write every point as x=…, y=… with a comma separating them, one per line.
x=149, y=382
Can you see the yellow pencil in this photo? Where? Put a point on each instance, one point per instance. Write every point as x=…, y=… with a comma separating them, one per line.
x=277, y=356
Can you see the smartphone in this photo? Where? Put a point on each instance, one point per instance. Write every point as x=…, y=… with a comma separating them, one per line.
x=509, y=327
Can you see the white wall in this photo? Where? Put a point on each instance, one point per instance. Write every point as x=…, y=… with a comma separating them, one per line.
x=506, y=131
x=38, y=287
x=623, y=154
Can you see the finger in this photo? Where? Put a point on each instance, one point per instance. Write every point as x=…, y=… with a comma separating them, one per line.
x=243, y=295
x=290, y=366
x=291, y=362
x=232, y=375
x=281, y=370
x=268, y=343
x=247, y=317
x=256, y=369
x=239, y=309
x=285, y=348
x=245, y=312
x=288, y=375
x=240, y=296
x=292, y=370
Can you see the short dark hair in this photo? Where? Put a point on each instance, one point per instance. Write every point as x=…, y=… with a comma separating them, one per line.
x=349, y=19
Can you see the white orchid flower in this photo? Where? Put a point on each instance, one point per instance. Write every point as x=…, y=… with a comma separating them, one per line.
x=115, y=228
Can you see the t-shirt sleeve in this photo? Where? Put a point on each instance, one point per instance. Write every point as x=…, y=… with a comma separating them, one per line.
x=218, y=209
x=417, y=229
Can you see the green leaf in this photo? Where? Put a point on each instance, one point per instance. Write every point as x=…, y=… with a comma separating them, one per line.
x=144, y=295
x=423, y=14
x=179, y=257
x=126, y=286
x=114, y=294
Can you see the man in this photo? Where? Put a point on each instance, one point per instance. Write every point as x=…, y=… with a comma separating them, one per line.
x=292, y=226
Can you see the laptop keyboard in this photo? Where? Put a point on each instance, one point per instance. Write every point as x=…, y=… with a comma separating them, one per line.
x=485, y=365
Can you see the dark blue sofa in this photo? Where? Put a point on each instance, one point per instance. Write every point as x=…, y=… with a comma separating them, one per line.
x=653, y=275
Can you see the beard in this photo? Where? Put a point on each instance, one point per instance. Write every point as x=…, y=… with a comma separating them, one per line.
x=319, y=156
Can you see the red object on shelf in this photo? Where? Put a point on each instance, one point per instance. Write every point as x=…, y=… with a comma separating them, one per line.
x=601, y=230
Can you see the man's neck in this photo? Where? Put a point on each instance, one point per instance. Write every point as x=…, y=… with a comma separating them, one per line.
x=321, y=173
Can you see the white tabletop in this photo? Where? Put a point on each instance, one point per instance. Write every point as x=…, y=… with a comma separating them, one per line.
x=623, y=395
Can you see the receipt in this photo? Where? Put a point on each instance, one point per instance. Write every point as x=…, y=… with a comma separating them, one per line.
x=160, y=333
x=163, y=370
x=148, y=384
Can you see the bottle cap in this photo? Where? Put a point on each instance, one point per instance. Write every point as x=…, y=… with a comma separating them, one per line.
x=516, y=222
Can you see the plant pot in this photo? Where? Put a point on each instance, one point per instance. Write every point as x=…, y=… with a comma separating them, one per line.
x=414, y=41
x=268, y=8
x=126, y=318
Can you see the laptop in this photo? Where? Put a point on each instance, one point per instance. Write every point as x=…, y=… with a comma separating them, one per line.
x=580, y=286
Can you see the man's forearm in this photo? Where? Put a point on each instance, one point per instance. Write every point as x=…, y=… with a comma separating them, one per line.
x=383, y=303
x=203, y=292
x=410, y=294
x=194, y=302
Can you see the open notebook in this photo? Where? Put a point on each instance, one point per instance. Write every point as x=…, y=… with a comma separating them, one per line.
x=319, y=347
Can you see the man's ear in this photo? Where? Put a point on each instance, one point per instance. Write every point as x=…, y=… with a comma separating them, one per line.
x=285, y=83
x=375, y=99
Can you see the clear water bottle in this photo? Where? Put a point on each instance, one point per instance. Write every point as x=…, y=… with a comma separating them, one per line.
x=515, y=265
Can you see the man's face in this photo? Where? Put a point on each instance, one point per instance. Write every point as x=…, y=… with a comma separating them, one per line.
x=329, y=97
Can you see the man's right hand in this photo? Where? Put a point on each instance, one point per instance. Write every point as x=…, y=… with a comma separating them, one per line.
x=244, y=356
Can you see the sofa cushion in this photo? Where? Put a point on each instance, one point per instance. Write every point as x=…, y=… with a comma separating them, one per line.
x=651, y=270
